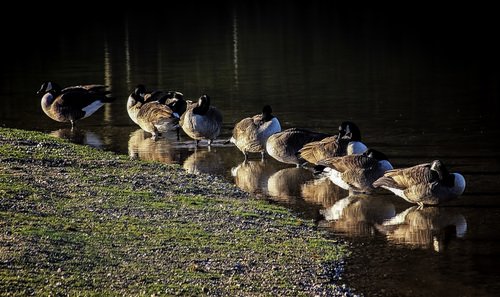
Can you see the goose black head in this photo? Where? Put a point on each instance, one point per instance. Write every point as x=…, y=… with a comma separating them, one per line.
x=49, y=86
x=140, y=90
x=372, y=153
x=267, y=113
x=203, y=105
x=438, y=167
x=349, y=130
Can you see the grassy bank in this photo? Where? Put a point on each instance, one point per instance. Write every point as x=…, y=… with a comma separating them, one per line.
x=75, y=220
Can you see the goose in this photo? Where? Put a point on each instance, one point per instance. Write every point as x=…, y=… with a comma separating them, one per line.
x=356, y=172
x=202, y=121
x=423, y=184
x=285, y=145
x=250, y=134
x=151, y=115
x=347, y=142
x=72, y=103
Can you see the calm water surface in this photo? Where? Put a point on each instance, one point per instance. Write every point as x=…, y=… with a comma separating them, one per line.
x=417, y=91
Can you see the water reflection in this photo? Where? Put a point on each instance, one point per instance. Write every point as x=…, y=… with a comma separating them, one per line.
x=142, y=146
x=286, y=184
x=322, y=192
x=357, y=214
x=428, y=228
x=252, y=176
x=204, y=161
x=79, y=136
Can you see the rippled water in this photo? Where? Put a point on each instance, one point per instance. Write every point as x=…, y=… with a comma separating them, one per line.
x=418, y=93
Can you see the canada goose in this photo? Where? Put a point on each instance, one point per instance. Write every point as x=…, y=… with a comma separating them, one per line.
x=72, y=103
x=250, y=134
x=356, y=172
x=347, y=142
x=284, y=146
x=430, y=227
x=202, y=121
x=150, y=115
x=428, y=183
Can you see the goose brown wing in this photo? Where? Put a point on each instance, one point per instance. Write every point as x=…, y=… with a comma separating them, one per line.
x=77, y=98
x=316, y=151
x=244, y=128
x=351, y=162
x=156, y=113
x=407, y=177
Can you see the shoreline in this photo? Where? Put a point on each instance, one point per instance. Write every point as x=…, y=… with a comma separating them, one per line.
x=77, y=220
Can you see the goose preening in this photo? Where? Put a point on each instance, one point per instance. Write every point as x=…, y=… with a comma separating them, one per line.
x=356, y=172
x=202, y=121
x=428, y=183
x=285, y=145
x=250, y=134
x=72, y=103
x=431, y=227
x=151, y=115
x=347, y=142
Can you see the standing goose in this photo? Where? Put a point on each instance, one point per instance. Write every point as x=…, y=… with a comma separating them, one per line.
x=202, y=121
x=356, y=172
x=152, y=116
x=347, y=142
x=284, y=146
x=72, y=103
x=250, y=134
x=428, y=183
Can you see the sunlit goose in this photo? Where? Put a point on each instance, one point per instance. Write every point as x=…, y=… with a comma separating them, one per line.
x=250, y=134
x=151, y=116
x=72, y=103
x=429, y=183
x=347, y=142
x=356, y=172
x=284, y=146
x=202, y=121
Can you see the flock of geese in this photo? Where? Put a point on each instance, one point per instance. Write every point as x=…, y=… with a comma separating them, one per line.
x=342, y=157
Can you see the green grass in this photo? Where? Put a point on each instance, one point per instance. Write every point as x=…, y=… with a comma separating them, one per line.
x=78, y=221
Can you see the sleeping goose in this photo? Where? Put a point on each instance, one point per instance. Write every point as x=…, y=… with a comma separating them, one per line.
x=428, y=183
x=284, y=146
x=202, y=121
x=151, y=115
x=356, y=172
x=347, y=142
x=72, y=103
x=250, y=134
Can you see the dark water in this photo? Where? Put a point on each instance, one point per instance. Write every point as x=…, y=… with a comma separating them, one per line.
x=420, y=86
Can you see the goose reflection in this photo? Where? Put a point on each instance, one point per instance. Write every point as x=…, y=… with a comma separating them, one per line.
x=252, y=176
x=204, y=161
x=286, y=184
x=356, y=214
x=428, y=228
x=322, y=192
x=142, y=146
x=79, y=136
